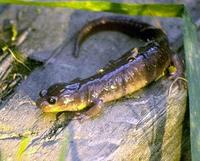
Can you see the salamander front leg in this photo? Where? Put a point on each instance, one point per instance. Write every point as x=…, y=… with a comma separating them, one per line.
x=93, y=111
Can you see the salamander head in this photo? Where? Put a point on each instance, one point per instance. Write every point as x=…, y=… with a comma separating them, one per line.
x=60, y=97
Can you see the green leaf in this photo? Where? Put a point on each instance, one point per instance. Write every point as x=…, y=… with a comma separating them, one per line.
x=192, y=53
x=162, y=10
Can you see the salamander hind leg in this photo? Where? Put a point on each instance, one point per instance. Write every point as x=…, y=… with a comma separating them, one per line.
x=92, y=112
x=179, y=65
x=178, y=75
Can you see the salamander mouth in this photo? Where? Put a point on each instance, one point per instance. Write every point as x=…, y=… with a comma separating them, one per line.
x=52, y=108
x=46, y=107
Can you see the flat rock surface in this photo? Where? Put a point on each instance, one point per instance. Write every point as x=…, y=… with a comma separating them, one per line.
x=147, y=125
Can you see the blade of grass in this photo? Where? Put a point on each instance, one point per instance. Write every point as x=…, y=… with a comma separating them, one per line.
x=19, y=58
x=162, y=10
x=22, y=147
x=192, y=54
x=64, y=148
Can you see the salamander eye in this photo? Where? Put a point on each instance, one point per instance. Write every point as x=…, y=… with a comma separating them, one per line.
x=52, y=100
x=43, y=93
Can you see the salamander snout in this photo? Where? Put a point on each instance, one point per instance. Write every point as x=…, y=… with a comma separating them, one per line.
x=41, y=103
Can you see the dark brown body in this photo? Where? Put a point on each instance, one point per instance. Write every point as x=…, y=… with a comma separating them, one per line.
x=134, y=70
x=130, y=76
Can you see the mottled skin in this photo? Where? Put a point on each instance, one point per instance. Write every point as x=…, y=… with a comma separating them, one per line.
x=129, y=73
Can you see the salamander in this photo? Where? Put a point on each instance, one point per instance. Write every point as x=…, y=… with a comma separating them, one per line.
x=133, y=70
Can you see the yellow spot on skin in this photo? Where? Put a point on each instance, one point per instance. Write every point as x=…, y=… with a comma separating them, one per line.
x=113, y=87
x=134, y=53
x=172, y=69
x=100, y=70
x=135, y=50
x=106, y=89
x=68, y=100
